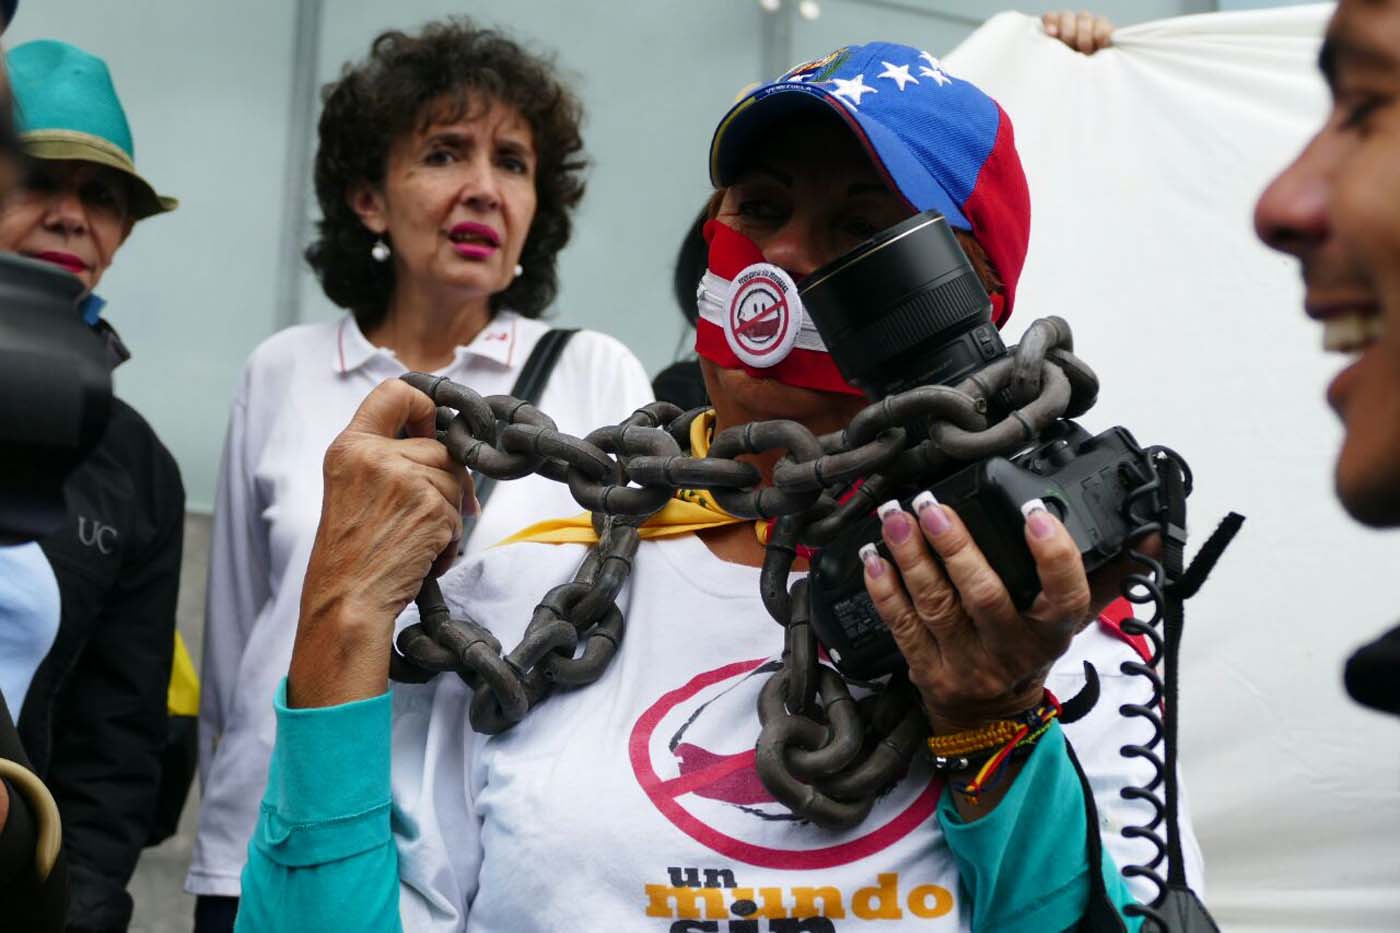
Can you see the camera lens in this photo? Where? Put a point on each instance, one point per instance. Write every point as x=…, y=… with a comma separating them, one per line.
x=904, y=309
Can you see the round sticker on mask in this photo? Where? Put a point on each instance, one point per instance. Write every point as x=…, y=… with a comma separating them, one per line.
x=763, y=315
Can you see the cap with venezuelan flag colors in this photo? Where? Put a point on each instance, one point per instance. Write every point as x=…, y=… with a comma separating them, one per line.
x=938, y=140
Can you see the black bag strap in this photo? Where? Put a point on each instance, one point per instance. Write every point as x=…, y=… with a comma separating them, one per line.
x=529, y=386
x=1181, y=910
x=1181, y=586
x=534, y=375
x=1100, y=914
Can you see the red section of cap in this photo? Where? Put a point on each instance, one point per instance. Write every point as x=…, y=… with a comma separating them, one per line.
x=999, y=210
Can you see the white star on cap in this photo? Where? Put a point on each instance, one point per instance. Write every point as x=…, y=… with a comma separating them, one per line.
x=938, y=76
x=853, y=90
x=934, y=70
x=898, y=73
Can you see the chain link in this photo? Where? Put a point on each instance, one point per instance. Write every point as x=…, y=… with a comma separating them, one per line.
x=822, y=752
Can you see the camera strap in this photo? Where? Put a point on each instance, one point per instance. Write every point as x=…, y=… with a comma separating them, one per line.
x=1177, y=908
x=1181, y=908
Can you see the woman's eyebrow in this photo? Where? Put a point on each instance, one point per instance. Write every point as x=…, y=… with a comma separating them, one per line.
x=1347, y=50
x=867, y=187
x=517, y=147
x=446, y=138
x=782, y=178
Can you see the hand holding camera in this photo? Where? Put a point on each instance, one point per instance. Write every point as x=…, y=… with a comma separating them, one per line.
x=972, y=653
x=994, y=552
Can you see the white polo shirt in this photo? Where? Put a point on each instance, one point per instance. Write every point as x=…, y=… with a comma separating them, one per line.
x=299, y=389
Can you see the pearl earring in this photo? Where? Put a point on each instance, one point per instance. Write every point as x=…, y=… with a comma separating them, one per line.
x=519, y=270
x=380, y=251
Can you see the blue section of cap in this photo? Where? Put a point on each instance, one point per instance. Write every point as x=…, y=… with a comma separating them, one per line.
x=930, y=131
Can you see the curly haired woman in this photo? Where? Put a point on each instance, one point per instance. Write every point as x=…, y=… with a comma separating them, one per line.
x=448, y=168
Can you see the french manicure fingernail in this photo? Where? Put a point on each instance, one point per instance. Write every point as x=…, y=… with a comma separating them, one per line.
x=870, y=556
x=895, y=521
x=931, y=514
x=934, y=519
x=1038, y=518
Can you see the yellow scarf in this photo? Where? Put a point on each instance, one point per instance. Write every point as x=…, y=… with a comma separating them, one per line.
x=691, y=510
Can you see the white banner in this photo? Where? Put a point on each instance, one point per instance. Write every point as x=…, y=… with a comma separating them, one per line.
x=1144, y=163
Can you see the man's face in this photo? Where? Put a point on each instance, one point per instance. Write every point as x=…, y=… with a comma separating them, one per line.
x=1337, y=209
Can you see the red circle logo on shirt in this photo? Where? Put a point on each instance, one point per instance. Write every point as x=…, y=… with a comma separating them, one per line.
x=701, y=776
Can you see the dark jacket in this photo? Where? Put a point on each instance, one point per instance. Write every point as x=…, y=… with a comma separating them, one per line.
x=26, y=903
x=94, y=722
x=1373, y=673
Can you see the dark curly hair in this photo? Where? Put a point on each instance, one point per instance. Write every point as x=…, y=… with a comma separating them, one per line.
x=448, y=70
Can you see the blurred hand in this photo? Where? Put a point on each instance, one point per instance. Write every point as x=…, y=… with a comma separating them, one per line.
x=972, y=655
x=391, y=513
x=1083, y=31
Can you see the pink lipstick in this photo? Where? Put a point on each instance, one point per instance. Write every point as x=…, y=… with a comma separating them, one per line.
x=473, y=240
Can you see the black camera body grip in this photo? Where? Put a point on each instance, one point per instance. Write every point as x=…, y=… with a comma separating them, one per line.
x=1083, y=480
x=56, y=386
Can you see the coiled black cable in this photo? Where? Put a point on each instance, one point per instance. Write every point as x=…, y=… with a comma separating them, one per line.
x=1146, y=508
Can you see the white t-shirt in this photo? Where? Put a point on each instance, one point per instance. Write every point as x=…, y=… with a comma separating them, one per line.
x=632, y=804
x=299, y=389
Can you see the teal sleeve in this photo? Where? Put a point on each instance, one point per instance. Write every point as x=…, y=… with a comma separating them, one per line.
x=1024, y=866
x=322, y=856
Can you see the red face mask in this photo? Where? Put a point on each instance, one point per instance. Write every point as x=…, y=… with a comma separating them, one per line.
x=751, y=318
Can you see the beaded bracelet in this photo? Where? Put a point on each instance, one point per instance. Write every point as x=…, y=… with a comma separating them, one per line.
x=990, y=748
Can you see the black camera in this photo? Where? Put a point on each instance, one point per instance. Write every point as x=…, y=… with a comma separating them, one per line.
x=55, y=393
x=1083, y=481
x=906, y=309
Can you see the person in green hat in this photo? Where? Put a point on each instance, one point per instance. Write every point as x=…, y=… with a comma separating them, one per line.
x=94, y=719
x=80, y=193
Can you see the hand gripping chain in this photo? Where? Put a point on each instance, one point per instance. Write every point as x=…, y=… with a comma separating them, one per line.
x=822, y=751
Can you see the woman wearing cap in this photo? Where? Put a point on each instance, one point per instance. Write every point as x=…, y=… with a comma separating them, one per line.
x=447, y=171
x=633, y=803
x=94, y=721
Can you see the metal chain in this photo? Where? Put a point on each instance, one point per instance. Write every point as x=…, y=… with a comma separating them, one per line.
x=821, y=752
